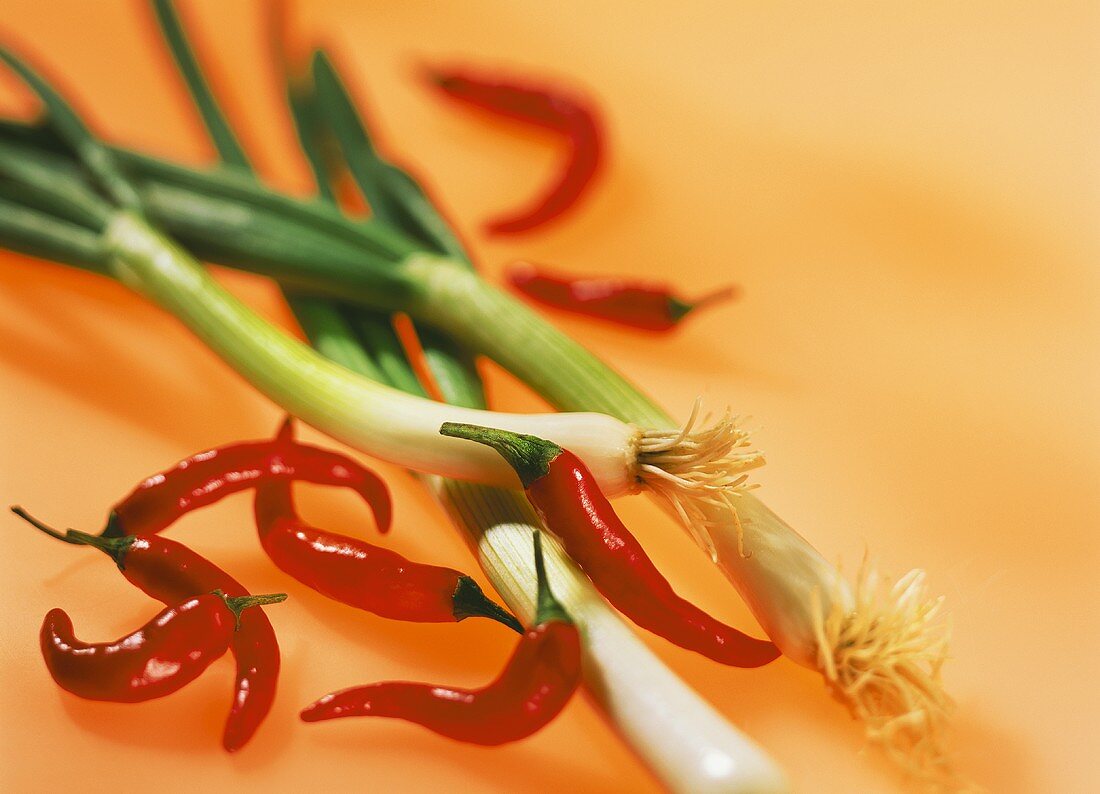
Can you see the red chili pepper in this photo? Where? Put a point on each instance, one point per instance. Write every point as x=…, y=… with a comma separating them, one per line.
x=204, y=478
x=365, y=576
x=167, y=653
x=549, y=108
x=170, y=572
x=539, y=679
x=566, y=496
x=639, y=304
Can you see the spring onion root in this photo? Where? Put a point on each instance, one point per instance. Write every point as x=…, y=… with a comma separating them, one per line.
x=882, y=659
x=689, y=471
x=880, y=649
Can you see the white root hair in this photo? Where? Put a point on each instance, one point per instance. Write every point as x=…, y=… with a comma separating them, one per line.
x=691, y=469
x=882, y=659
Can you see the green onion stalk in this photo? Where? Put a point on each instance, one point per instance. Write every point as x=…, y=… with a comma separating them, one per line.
x=879, y=647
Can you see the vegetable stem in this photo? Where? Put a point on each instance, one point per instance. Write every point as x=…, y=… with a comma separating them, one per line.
x=229, y=148
x=485, y=319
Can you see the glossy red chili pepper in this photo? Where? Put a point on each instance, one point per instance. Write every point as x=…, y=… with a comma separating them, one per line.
x=566, y=496
x=549, y=108
x=204, y=478
x=365, y=576
x=638, y=304
x=167, y=653
x=539, y=679
x=171, y=572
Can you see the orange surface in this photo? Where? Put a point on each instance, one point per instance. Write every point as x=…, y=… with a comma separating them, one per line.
x=907, y=192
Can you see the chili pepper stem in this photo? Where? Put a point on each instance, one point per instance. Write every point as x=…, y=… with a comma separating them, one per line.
x=678, y=309
x=114, y=547
x=470, y=601
x=34, y=522
x=547, y=607
x=530, y=456
x=238, y=604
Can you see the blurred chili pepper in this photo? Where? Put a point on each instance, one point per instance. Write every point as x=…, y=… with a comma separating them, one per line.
x=639, y=304
x=535, y=685
x=206, y=477
x=565, y=495
x=365, y=576
x=171, y=572
x=542, y=106
x=164, y=655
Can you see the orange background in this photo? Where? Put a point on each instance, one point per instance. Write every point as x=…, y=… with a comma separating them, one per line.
x=908, y=194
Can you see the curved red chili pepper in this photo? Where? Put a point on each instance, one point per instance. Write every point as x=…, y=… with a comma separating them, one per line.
x=535, y=685
x=363, y=575
x=164, y=655
x=572, y=118
x=537, y=682
x=638, y=304
x=171, y=572
x=566, y=496
x=206, y=477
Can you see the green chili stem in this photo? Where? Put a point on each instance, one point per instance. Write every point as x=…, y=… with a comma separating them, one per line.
x=238, y=604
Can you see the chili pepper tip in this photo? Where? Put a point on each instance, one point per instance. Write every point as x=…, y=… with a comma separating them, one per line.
x=470, y=601
x=530, y=456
